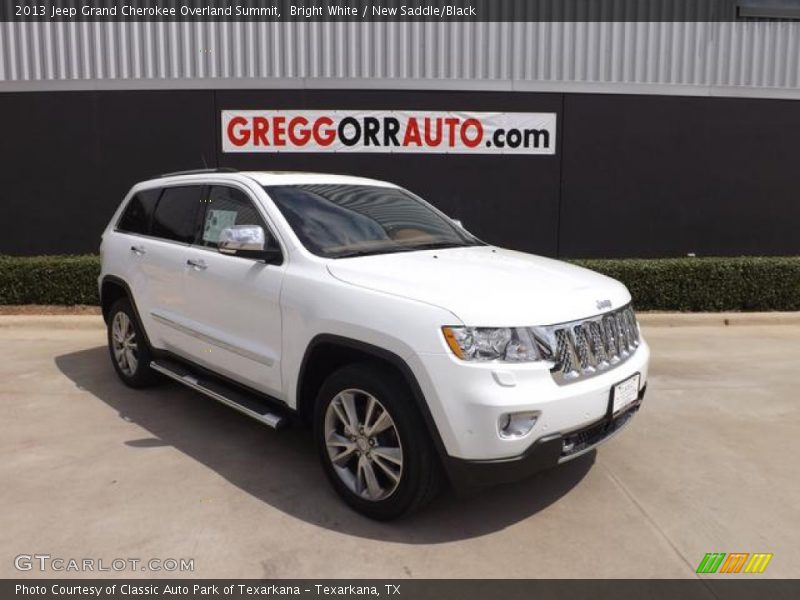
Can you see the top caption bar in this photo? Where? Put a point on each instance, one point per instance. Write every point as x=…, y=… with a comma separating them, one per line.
x=386, y=10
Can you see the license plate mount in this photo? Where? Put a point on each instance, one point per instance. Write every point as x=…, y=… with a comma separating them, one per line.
x=624, y=393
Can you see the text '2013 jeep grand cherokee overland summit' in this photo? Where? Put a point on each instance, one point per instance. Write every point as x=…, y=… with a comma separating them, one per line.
x=418, y=352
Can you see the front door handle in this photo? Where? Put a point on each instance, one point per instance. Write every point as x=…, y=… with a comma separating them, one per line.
x=138, y=250
x=197, y=263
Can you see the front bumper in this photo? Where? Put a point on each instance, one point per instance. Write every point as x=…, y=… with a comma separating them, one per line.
x=545, y=452
x=466, y=400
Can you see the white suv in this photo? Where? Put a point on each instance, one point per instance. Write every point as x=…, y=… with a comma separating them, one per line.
x=418, y=352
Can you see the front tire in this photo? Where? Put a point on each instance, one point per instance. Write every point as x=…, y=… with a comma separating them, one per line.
x=128, y=347
x=373, y=444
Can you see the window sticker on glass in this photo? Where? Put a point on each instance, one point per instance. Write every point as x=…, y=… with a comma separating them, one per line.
x=216, y=221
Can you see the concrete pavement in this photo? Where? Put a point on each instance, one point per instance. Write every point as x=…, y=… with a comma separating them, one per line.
x=92, y=469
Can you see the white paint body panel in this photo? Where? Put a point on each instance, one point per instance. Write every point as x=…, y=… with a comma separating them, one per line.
x=485, y=285
x=397, y=302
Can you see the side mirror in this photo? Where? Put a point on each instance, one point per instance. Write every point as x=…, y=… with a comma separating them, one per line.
x=458, y=223
x=248, y=241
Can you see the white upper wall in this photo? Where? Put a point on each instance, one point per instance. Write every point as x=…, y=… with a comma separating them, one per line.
x=760, y=59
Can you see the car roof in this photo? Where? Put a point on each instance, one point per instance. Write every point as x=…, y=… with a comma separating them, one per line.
x=300, y=177
x=267, y=178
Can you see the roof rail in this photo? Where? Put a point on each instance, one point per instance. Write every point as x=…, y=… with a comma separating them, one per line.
x=200, y=171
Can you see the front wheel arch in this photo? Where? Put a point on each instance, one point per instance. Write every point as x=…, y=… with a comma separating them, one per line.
x=326, y=353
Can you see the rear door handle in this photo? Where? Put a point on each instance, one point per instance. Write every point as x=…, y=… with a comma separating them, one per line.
x=197, y=263
x=138, y=250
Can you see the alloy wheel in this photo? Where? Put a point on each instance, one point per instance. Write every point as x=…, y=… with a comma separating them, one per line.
x=363, y=444
x=123, y=343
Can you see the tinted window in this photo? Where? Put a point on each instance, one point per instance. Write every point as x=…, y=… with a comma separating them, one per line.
x=350, y=220
x=176, y=213
x=136, y=218
x=227, y=207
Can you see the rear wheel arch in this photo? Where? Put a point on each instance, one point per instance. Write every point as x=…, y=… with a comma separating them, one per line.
x=130, y=352
x=111, y=290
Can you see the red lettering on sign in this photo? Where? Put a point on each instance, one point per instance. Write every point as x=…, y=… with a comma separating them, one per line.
x=412, y=133
x=260, y=129
x=429, y=139
x=451, y=130
x=238, y=137
x=279, y=131
x=298, y=134
x=471, y=142
x=324, y=137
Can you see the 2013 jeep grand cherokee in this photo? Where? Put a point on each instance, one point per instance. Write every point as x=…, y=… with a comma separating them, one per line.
x=418, y=352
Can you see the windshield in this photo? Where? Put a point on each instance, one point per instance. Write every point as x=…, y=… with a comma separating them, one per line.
x=337, y=221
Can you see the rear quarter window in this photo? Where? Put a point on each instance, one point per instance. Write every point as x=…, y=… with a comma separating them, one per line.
x=138, y=213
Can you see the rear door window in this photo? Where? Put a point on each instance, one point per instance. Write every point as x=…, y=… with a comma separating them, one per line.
x=176, y=216
x=137, y=215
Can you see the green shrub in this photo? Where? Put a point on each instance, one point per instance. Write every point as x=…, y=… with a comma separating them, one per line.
x=683, y=284
x=49, y=279
x=707, y=284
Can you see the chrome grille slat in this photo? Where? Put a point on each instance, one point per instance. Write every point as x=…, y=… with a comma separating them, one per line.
x=565, y=353
x=611, y=338
x=624, y=342
x=585, y=356
x=589, y=346
x=598, y=343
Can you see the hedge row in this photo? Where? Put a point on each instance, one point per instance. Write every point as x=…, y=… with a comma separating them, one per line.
x=707, y=284
x=49, y=279
x=682, y=284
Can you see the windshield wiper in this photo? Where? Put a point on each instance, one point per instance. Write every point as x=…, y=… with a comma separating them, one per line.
x=440, y=245
x=371, y=252
x=397, y=249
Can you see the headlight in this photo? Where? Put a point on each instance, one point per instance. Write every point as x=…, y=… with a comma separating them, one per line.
x=511, y=344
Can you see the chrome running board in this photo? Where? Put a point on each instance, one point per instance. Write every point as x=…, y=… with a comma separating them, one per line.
x=246, y=404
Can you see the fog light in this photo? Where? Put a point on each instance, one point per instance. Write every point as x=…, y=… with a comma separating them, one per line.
x=516, y=425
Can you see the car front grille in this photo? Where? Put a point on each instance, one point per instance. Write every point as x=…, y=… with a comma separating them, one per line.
x=584, y=348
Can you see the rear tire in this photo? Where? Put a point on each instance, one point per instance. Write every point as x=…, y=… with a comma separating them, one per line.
x=372, y=442
x=127, y=345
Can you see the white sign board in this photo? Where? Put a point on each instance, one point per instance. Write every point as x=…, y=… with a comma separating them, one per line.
x=381, y=131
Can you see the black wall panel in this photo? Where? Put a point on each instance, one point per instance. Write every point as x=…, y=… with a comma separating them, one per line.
x=48, y=157
x=632, y=176
x=68, y=158
x=667, y=176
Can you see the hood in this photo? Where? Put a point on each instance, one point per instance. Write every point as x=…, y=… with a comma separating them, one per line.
x=487, y=286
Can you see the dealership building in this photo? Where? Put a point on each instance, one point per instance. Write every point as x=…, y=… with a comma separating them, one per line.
x=617, y=139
